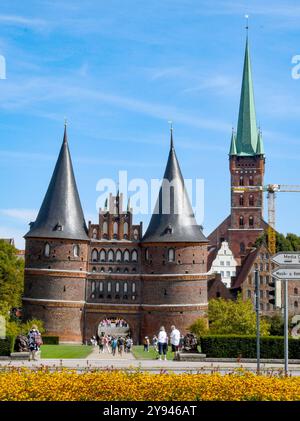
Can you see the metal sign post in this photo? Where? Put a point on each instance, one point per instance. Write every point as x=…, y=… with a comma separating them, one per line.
x=257, y=301
x=286, y=328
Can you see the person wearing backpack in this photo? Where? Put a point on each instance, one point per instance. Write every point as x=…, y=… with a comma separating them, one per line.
x=114, y=344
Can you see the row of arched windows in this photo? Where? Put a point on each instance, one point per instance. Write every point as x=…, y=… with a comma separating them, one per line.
x=112, y=256
x=250, y=181
x=110, y=270
x=171, y=255
x=242, y=221
x=109, y=289
x=250, y=200
x=47, y=250
x=115, y=230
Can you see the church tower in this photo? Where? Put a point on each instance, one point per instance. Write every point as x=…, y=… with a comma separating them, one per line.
x=247, y=168
x=56, y=256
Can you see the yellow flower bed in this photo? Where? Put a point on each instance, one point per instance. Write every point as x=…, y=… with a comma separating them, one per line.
x=65, y=385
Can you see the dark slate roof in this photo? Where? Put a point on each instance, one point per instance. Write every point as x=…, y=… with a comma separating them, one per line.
x=173, y=219
x=61, y=214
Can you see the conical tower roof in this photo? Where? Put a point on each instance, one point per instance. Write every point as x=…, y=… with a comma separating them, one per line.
x=246, y=137
x=61, y=214
x=173, y=219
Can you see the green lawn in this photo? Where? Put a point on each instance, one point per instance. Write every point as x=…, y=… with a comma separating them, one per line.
x=140, y=354
x=65, y=351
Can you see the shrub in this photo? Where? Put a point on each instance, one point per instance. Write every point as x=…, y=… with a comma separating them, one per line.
x=50, y=340
x=199, y=327
x=7, y=346
x=235, y=346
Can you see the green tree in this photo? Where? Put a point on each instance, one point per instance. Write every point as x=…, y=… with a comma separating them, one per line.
x=199, y=327
x=11, y=278
x=234, y=317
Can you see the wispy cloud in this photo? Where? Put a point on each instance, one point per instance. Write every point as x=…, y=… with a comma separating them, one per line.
x=25, y=215
x=23, y=21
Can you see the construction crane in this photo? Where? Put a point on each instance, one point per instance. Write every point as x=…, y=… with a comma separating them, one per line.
x=271, y=189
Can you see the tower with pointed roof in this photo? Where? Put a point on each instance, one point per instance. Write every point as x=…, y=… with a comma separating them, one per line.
x=56, y=256
x=247, y=167
x=174, y=257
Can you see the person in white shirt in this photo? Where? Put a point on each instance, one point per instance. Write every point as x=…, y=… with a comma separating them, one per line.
x=162, y=343
x=175, y=340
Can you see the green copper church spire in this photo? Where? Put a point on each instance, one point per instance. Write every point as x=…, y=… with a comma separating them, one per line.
x=247, y=133
x=233, y=144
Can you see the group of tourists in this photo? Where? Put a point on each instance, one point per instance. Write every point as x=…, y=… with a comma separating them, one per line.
x=161, y=341
x=112, y=344
x=113, y=323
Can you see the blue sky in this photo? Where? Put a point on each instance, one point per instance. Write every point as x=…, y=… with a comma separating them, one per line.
x=119, y=70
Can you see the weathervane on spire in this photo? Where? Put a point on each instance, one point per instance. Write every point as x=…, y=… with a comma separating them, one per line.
x=66, y=121
x=171, y=129
x=247, y=23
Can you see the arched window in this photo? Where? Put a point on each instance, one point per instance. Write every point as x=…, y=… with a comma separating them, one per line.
x=118, y=256
x=108, y=286
x=146, y=254
x=171, y=255
x=241, y=200
x=242, y=247
x=110, y=255
x=133, y=287
x=241, y=221
x=94, y=255
x=251, y=200
x=115, y=228
x=102, y=255
x=101, y=286
x=105, y=228
x=125, y=287
x=93, y=287
x=126, y=270
x=125, y=228
x=135, y=234
x=102, y=270
x=134, y=256
x=94, y=269
x=126, y=256
x=76, y=250
x=296, y=304
x=47, y=250
x=251, y=180
x=241, y=180
x=94, y=235
x=251, y=221
x=117, y=287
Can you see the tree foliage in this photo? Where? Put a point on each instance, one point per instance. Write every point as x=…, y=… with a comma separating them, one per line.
x=234, y=317
x=199, y=327
x=290, y=242
x=11, y=278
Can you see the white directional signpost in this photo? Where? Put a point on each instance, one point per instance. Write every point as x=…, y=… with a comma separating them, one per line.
x=288, y=269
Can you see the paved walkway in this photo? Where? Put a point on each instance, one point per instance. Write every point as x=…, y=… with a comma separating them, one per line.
x=96, y=355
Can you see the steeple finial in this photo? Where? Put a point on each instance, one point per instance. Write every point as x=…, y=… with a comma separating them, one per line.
x=171, y=134
x=65, y=132
x=247, y=25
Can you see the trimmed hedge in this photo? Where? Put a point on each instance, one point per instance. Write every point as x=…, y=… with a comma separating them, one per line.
x=50, y=340
x=235, y=346
x=7, y=346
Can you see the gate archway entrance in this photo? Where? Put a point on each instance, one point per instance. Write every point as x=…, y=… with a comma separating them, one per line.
x=114, y=326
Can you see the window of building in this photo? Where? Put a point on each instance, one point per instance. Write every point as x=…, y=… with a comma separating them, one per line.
x=76, y=250
x=125, y=228
x=115, y=229
x=227, y=274
x=135, y=234
x=118, y=256
x=134, y=256
x=94, y=269
x=261, y=280
x=241, y=200
x=94, y=234
x=102, y=270
x=146, y=254
x=296, y=304
x=94, y=255
x=126, y=270
x=93, y=288
x=126, y=256
x=110, y=255
x=241, y=180
x=125, y=287
x=251, y=200
x=133, y=287
x=102, y=255
x=108, y=286
x=47, y=250
x=251, y=180
x=228, y=263
x=110, y=270
x=241, y=221
x=222, y=263
x=171, y=255
x=296, y=291
x=251, y=221
x=105, y=228
x=100, y=286
x=117, y=287
x=222, y=273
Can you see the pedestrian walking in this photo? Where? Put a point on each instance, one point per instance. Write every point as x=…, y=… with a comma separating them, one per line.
x=162, y=343
x=175, y=340
x=121, y=342
x=146, y=344
x=101, y=344
x=114, y=344
x=155, y=343
x=34, y=342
